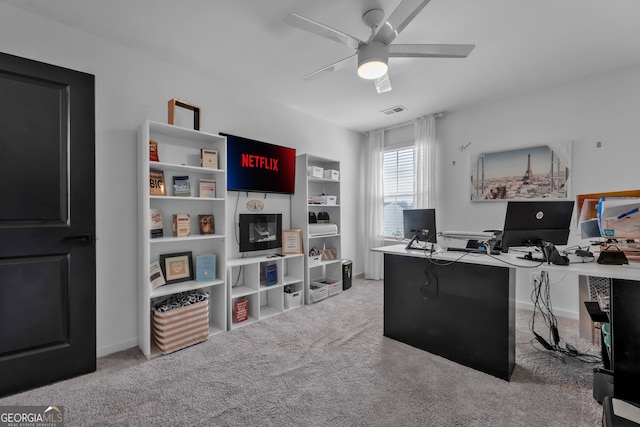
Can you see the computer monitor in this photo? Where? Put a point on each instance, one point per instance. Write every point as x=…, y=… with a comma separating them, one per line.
x=532, y=223
x=419, y=224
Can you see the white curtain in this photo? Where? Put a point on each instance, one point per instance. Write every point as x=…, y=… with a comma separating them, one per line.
x=425, y=162
x=374, y=204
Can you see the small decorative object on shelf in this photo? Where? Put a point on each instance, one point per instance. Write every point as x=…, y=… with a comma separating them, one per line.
x=240, y=310
x=156, y=223
x=156, y=278
x=181, y=225
x=181, y=186
x=207, y=188
x=207, y=225
x=156, y=183
x=177, y=267
x=209, y=158
x=173, y=103
x=205, y=267
x=153, y=151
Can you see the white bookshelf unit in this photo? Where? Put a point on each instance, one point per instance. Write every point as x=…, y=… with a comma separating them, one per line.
x=179, y=155
x=246, y=280
x=308, y=187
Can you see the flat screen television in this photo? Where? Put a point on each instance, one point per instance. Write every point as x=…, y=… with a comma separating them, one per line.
x=259, y=166
x=419, y=224
x=532, y=223
x=260, y=232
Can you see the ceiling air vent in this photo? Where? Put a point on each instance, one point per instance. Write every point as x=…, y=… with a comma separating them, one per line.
x=394, y=110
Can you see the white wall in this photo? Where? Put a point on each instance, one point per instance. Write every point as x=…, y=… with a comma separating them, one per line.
x=603, y=108
x=132, y=87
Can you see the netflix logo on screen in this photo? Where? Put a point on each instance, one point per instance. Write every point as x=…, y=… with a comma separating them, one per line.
x=259, y=166
x=253, y=161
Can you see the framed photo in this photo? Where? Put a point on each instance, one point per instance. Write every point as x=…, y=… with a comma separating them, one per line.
x=177, y=267
x=291, y=242
x=173, y=103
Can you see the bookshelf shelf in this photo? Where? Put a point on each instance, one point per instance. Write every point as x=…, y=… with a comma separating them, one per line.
x=179, y=152
x=245, y=280
x=306, y=188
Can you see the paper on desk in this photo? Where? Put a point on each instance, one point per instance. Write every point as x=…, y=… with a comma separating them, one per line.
x=619, y=217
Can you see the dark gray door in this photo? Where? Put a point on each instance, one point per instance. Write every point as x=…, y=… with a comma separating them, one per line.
x=47, y=224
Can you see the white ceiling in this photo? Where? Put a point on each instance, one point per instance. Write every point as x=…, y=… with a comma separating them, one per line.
x=521, y=46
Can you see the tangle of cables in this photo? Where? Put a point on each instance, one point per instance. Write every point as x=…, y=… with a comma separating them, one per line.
x=541, y=298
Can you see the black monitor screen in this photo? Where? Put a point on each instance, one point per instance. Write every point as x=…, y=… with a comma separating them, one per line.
x=420, y=223
x=532, y=223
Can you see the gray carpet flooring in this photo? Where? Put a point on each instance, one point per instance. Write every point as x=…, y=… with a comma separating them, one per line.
x=326, y=364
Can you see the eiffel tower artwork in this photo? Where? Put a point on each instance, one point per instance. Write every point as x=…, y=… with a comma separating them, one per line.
x=528, y=175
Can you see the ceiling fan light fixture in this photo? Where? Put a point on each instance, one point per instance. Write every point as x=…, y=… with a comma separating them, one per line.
x=372, y=60
x=372, y=70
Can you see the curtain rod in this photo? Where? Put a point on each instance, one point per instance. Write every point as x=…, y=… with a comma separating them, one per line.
x=408, y=122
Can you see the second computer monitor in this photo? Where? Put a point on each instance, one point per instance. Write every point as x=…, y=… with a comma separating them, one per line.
x=420, y=224
x=530, y=223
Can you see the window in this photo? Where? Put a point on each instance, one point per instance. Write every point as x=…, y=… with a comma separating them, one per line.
x=399, y=187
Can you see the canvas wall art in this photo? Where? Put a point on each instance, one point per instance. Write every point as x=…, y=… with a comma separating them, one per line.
x=539, y=172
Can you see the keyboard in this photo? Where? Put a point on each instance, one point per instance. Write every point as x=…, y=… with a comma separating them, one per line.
x=473, y=251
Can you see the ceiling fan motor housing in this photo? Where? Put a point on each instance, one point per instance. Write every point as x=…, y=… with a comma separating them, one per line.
x=373, y=51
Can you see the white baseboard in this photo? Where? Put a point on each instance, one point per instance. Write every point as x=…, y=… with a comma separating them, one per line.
x=125, y=345
x=570, y=314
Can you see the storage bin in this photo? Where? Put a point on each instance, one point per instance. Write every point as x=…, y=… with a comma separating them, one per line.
x=292, y=300
x=181, y=327
x=318, y=293
x=334, y=288
x=315, y=260
x=315, y=171
x=325, y=199
x=331, y=174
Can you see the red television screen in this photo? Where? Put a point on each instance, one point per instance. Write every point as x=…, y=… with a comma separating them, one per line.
x=259, y=167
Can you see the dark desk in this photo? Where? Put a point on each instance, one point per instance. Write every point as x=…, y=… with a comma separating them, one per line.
x=471, y=320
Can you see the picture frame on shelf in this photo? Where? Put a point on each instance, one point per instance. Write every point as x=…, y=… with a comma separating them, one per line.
x=177, y=267
x=173, y=103
x=291, y=242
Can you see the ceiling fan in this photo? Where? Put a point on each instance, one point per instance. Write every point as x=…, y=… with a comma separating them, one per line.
x=373, y=54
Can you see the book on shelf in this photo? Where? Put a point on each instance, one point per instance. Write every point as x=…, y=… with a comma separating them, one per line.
x=209, y=158
x=207, y=225
x=205, y=267
x=181, y=225
x=156, y=278
x=181, y=186
x=156, y=223
x=207, y=187
x=156, y=183
x=270, y=274
x=240, y=310
x=153, y=151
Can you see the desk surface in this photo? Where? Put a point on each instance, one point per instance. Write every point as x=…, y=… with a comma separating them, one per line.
x=627, y=272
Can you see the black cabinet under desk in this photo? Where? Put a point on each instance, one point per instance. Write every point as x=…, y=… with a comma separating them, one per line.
x=465, y=313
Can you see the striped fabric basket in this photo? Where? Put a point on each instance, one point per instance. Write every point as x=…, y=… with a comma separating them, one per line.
x=181, y=327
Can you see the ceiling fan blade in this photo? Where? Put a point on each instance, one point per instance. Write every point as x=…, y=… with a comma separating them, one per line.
x=399, y=19
x=430, y=50
x=329, y=68
x=383, y=84
x=322, y=30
